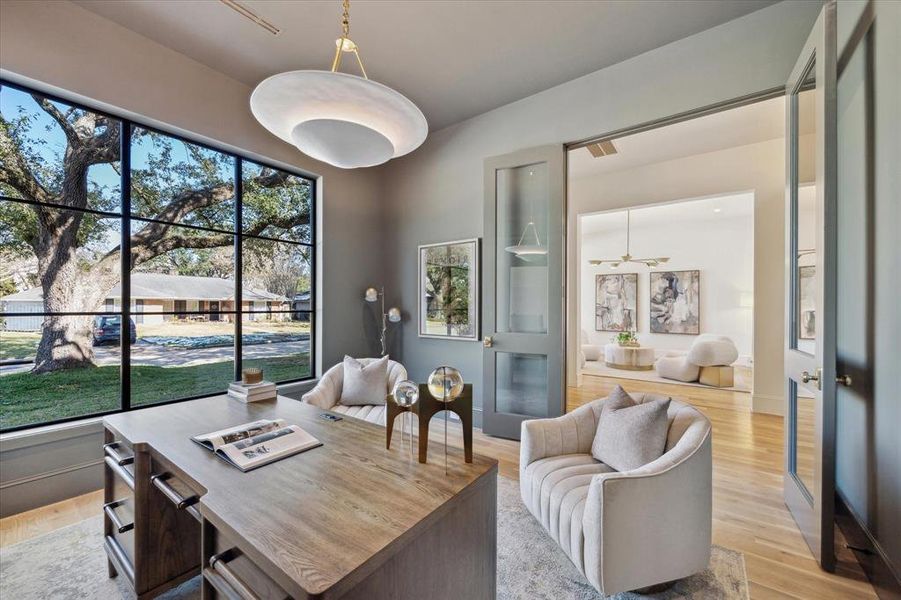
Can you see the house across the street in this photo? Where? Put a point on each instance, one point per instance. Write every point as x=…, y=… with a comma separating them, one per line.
x=156, y=297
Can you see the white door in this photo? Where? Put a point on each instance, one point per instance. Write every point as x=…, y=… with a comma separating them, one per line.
x=809, y=482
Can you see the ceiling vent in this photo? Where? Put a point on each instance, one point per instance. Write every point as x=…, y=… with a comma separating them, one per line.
x=249, y=14
x=599, y=149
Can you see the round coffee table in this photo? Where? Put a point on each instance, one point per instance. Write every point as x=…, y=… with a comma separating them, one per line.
x=630, y=358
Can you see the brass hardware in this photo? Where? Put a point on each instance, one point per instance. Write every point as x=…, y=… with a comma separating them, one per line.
x=488, y=342
x=345, y=44
x=807, y=378
x=844, y=380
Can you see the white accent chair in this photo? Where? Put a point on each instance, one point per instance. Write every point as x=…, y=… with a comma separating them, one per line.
x=623, y=530
x=708, y=350
x=327, y=393
x=589, y=350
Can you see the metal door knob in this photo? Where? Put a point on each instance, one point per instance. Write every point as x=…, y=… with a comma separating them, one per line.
x=844, y=380
x=807, y=377
x=488, y=342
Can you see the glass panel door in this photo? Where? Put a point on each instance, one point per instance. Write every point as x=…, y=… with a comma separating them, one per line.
x=809, y=481
x=522, y=283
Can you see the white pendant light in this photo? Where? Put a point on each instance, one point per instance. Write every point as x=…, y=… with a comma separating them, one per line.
x=341, y=119
x=525, y=251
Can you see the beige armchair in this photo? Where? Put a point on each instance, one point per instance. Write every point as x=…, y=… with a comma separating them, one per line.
x=327, y=393
x=623, y=530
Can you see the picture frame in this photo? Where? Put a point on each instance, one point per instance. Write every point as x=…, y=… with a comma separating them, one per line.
x=675, y=302
x=616, y=302
x=449, y=299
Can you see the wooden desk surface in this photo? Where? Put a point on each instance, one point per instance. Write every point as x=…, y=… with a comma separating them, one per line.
x=326, y=518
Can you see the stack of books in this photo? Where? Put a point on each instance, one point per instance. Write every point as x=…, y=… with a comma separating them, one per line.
x=252, y=392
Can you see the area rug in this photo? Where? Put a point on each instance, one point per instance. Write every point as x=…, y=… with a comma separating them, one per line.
x=70, y=564
x=599, y=369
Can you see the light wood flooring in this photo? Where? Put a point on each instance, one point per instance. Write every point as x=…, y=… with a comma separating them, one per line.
x=748, y=512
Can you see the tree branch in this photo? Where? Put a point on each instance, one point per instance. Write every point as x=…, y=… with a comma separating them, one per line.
x=60, y=118
x=15, y=170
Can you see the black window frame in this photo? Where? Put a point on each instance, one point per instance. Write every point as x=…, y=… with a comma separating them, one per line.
x=125, y=217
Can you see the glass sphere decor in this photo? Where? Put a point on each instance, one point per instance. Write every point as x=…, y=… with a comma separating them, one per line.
x=445, y=384
x=406, y=393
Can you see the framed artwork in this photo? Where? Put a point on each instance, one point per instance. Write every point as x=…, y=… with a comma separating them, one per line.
x=675, y=302
x=615, y=305
x=449, y=290
x=807, y=303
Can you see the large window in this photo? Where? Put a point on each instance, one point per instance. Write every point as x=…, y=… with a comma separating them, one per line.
x=220, y=274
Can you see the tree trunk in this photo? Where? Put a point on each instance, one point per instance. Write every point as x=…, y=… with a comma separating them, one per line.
x=65, y=344
x=66, y=340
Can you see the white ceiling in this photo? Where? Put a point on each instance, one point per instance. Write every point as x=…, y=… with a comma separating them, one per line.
x=714, y=210
x=749, y=124
x=453, y=58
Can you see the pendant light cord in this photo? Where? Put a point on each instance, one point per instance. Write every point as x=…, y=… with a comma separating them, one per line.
x=345, y=21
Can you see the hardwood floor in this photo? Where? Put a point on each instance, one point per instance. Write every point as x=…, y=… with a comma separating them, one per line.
x=748, y=512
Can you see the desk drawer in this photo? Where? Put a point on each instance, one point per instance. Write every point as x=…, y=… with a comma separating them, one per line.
x=232, y=574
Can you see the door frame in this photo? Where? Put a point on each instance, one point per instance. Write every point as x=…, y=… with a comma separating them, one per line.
x=571, y=235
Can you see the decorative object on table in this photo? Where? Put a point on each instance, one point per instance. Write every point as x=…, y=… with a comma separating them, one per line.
x=627, y=339
x=615, y=305
x=338, y=118
x=251, y=375
x=393, y=314
x=676, y=302
x=405, y=396
x=445, y=385
x=651, y=263
x=807, y=304
x=252, y=392
x=449, y=290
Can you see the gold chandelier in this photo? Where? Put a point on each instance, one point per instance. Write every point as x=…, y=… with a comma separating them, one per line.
x=614, y=263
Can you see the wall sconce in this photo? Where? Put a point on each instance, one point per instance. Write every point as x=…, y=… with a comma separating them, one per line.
x=393, y=314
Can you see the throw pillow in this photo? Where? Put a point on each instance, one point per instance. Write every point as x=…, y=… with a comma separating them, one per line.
x=364, y=384
x=630, y=435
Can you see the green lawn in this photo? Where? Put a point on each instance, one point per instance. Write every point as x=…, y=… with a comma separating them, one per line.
x=29, y=399
x=18, y=344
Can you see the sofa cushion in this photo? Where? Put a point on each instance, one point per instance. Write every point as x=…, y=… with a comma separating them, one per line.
x=364, y=384
x=710, y=351
x=630, y=435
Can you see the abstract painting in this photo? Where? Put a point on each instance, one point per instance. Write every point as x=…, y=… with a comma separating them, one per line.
x=676, y=302
x=615, y=302
x=807, y=303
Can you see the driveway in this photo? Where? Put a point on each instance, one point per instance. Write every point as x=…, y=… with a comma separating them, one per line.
x=162, y=356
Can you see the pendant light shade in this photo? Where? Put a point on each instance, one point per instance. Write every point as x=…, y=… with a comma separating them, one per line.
x=338, y=118
x=344, y=120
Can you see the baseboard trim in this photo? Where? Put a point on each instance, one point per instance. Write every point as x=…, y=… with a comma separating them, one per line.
x=869, y=553
x=764, y=403
x=46, y=474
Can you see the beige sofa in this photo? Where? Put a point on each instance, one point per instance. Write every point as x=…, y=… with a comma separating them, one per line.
x=623, y=530
x=327, y=393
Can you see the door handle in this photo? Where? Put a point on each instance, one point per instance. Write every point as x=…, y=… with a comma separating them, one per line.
x=844, y=380
x=807, y=378
x=488, y=342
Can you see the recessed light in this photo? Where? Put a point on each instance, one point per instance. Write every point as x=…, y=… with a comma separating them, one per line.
x=717, y=210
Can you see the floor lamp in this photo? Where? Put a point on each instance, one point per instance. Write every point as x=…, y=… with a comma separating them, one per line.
x=393, y=314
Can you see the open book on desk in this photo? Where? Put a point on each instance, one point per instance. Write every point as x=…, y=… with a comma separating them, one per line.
x=259, y=443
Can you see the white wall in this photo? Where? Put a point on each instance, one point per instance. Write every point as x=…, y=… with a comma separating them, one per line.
x=436, y=193
x=721, y=249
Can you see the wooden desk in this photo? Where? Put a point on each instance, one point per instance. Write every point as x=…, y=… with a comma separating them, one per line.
x=347, y=520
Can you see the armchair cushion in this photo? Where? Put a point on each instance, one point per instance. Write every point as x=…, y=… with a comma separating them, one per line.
x=364, y=383
x=630, y=435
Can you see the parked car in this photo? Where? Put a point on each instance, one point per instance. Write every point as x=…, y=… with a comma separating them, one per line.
x=107, y=329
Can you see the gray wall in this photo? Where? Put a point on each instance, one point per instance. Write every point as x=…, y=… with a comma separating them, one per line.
x=868, y=465
x=58, y=46
x=435, y=194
